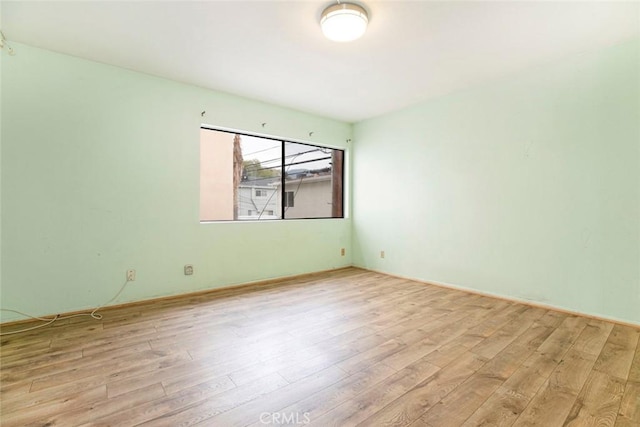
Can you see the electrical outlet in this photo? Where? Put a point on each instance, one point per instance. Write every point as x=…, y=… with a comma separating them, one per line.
x=188, y=270
x=131, y=275
x=381, y=254
x=343, y=252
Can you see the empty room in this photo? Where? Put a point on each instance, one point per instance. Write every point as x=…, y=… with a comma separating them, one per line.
x=326, y=213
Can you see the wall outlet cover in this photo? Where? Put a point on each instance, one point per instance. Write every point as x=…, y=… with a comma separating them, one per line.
x=188, y=270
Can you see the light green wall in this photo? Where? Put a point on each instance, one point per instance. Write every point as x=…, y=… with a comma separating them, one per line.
x=100, y=174
x=527, y=187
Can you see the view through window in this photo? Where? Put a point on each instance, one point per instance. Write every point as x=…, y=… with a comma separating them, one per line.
x=245, y=177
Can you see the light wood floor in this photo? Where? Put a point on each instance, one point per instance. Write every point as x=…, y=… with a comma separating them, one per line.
x=338, y=349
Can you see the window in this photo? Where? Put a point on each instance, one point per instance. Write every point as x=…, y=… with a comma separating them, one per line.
x=288, y=199
x=244, y=177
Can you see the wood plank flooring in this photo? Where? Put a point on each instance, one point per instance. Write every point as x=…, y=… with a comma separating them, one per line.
x=344, y=348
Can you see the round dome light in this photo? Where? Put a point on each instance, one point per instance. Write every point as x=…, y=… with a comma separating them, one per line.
x=344, y=22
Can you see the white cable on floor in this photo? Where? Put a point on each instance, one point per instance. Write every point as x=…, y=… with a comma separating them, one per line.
x=93, y=314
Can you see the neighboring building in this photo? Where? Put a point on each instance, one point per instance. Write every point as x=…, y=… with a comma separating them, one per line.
x=308, y=196
x=259, y=199
x=216, y=176
x=305, y=197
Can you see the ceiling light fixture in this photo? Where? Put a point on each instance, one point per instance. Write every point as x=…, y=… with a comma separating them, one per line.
x=344, y=22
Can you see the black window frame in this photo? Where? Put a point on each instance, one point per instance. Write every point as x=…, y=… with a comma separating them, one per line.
x=282, y=186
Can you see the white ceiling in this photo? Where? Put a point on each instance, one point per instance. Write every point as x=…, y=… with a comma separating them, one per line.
x=274, y=50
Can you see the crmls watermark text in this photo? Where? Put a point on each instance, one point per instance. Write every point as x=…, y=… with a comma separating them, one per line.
x=276, y=418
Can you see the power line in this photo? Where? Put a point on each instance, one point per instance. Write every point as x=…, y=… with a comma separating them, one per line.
x=260, y=151
x=250, y=166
